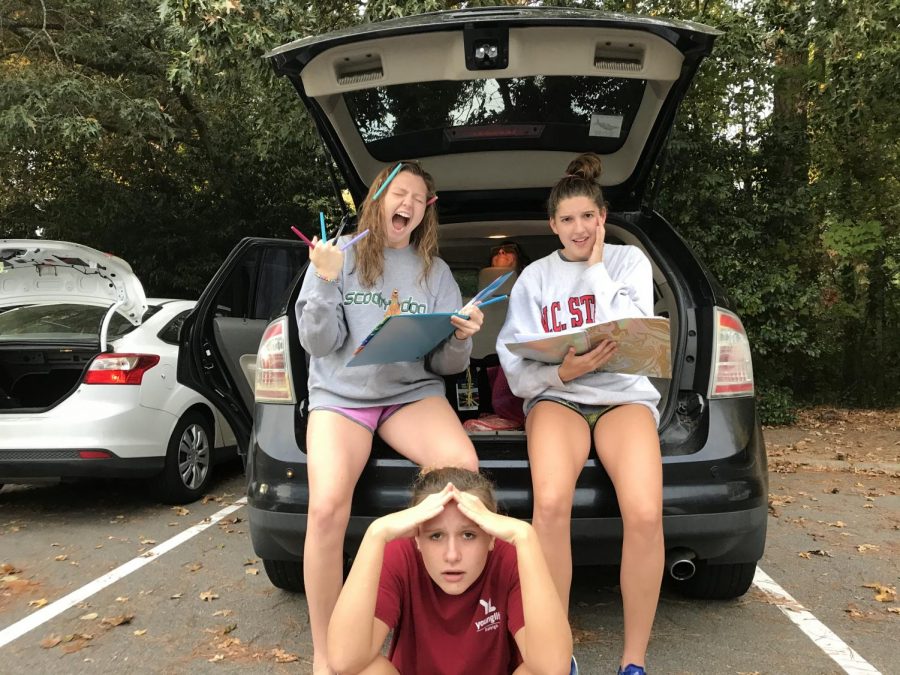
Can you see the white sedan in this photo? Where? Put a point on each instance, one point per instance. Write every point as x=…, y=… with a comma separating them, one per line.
x=88, y=382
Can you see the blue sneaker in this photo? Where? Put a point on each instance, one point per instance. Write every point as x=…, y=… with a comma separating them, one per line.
x=574, y=669
x=631, y=669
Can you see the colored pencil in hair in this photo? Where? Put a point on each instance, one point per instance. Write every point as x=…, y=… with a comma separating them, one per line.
x=387, y=180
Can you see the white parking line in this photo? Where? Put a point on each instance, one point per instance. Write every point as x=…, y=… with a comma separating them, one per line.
x=44, y=614
x=842, y=654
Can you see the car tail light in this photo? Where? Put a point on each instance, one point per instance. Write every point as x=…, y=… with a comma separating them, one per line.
x=732, y=368
x=273, y=366
x=119, y=368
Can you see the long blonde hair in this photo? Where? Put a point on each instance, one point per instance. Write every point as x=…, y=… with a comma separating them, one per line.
x=370, y=250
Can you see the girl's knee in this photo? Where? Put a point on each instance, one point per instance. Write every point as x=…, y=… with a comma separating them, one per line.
x=552, y=508
x=326, y=514
x=642, y=520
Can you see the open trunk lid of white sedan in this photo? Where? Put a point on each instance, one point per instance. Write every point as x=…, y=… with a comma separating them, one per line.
x=34, y=272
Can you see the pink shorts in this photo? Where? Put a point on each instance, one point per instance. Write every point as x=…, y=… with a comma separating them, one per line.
x=371, y=418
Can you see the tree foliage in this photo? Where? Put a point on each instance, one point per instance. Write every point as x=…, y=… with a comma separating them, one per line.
x=128, y=123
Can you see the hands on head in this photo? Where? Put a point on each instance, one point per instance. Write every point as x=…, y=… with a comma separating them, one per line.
x=406, y=523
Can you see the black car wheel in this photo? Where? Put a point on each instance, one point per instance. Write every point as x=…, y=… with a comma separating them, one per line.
x=718, y=582
x=288, y=574
x=285, y=574
x=188, y=461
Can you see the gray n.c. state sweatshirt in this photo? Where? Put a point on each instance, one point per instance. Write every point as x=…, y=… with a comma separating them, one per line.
x=553, y=294
x=334, y=318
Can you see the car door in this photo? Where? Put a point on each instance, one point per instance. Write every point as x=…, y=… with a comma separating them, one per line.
x=219, y=339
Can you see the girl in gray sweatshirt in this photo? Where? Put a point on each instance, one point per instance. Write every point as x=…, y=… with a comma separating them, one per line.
x=574, y=403
x=345, y=294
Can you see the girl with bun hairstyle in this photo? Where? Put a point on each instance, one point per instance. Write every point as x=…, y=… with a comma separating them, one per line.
x=567, y=406
x=345, y=294
x=463, y=588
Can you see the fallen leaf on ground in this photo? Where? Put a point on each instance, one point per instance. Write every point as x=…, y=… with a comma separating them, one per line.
x=194, y=567
x=120, y=620
x=217, y=658
x=894, y=610
x=821, y=552
x=50, y=641
x=122, y=598
x=37, y=603
x=282, y=656
x=883, y=593
x=837, y=523
x=62, y=557
x=853, y=612
x=175, y=596
x=251, y=570
x=206, y=596
x=251, y=561
x=140, y=632
x=75, y=646
x=148, y=542
x=88, y=617
x=180, y=510
x=223, y=612
x=862, y=548
x=8, y=568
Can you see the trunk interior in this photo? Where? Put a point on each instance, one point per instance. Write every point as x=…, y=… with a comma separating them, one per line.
x=36, y=378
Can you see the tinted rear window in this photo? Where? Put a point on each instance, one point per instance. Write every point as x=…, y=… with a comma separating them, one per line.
x=522, y=113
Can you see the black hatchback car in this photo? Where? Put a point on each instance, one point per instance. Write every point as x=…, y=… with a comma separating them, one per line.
x=494, y=103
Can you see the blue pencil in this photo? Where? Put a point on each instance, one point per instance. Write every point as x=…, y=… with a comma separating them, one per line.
x=355, y=239
x=492, y=301
x=322, y=223
x=387, y=180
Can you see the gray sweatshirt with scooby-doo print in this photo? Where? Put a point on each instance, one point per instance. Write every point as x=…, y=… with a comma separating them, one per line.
x=334, y=318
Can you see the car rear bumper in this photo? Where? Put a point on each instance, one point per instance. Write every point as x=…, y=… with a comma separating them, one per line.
x=90, y=419
x=23, y=465
x=714, y=500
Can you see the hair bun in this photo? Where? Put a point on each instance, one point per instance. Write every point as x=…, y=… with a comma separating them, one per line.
x=587, y=166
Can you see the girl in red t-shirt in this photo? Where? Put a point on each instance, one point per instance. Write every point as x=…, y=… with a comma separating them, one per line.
x=463, y=588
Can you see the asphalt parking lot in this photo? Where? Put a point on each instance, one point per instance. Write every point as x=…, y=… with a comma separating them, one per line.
x=96, y=577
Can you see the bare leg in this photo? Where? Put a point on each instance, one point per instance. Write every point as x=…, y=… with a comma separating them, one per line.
x=558, y=445
x=628, y=446
x=337, y=450
x=428, y=432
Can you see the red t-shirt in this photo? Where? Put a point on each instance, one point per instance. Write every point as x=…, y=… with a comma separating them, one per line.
x=437, y=633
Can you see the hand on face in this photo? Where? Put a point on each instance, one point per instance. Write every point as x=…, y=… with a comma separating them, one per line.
x=574, y=366
x=327, y=258
x=597, y=252
x=466, y=328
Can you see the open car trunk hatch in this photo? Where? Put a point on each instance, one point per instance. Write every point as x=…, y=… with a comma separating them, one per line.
x=498, y=100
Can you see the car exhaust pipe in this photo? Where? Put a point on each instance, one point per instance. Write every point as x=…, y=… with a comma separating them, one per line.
x=680, y=563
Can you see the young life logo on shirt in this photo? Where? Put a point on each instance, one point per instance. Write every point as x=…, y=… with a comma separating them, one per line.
x=491, y=620
x=580, y=313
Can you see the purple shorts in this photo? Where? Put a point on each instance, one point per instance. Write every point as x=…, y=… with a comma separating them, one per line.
x=371, y=418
